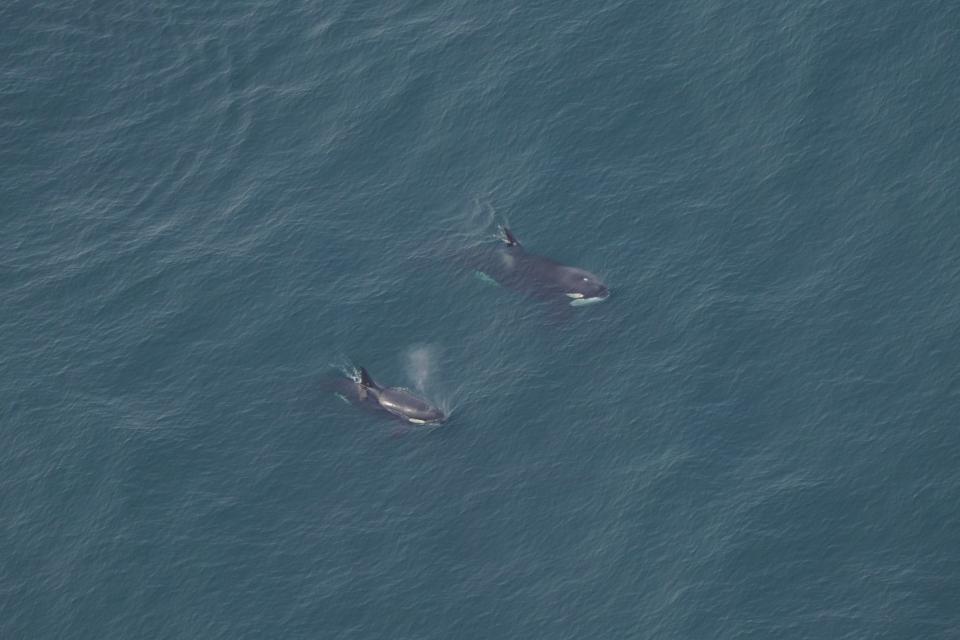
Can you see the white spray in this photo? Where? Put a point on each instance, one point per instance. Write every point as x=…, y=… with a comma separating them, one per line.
x=420, y=365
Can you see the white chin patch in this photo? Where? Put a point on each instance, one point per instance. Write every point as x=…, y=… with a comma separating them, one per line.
x=415, y=421
x=581, y=301
x=575, y=296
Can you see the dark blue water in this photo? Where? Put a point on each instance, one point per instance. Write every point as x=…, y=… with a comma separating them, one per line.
x=205, y=208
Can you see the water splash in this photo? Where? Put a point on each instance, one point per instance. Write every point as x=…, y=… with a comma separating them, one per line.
x=345, y=365
x=420, y=365
x=492, y=221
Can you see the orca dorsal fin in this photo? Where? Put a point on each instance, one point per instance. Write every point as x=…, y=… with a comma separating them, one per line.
x=508, y=237
x=366, y=380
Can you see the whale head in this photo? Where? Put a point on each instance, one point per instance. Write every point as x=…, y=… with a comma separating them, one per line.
x=411, y=408
x=582, y=287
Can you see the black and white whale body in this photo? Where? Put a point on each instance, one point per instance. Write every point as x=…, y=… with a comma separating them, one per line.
x=515, y=268
x=396, y=401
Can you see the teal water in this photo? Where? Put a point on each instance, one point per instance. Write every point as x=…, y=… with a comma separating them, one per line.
x=208, y=207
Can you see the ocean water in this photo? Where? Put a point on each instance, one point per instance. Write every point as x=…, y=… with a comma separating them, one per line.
x=208, y=207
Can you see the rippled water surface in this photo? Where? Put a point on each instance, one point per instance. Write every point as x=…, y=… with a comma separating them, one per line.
x=208, y=209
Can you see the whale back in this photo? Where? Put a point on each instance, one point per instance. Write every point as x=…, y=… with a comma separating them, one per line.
x=405, y=404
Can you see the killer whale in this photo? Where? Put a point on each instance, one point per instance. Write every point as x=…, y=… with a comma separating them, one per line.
x=512, y=266
x=396, y=401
